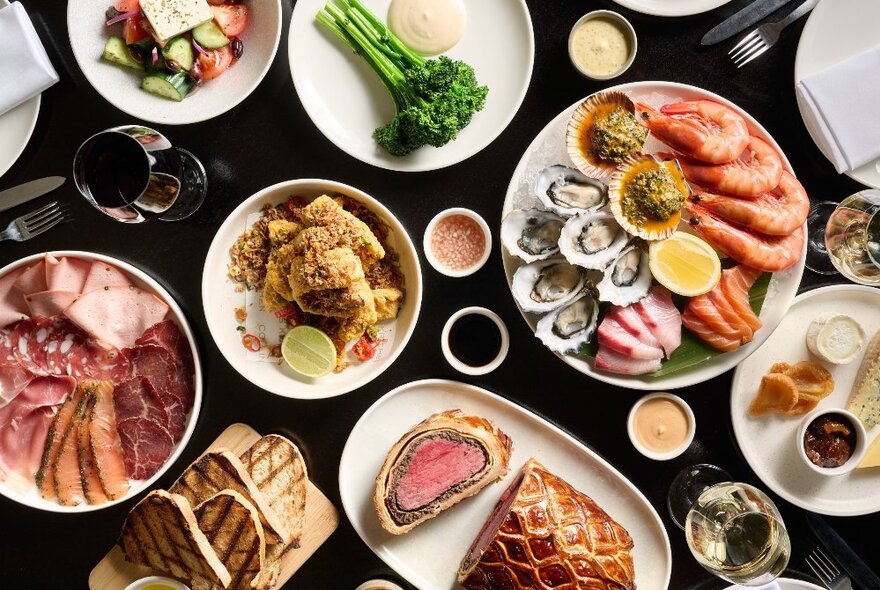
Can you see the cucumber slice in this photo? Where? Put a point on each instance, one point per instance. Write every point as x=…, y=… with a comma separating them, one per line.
x=209, y=36
x=167, y=85
x=180, y=50
x=116, y=52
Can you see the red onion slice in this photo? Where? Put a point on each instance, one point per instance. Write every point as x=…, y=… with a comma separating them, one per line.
x=121, y=17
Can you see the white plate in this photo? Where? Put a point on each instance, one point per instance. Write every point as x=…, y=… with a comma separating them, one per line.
x=835, y=31
x=787, y=584
x=671, y=7
x=447, y=537
x=143, y=280
x=16, y=127
x=121, y=86
x=221, y=297
x=549, y=148
x=768, y=443
x=346, y=100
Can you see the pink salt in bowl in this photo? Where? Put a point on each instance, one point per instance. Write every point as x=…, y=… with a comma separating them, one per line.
x=457, y=242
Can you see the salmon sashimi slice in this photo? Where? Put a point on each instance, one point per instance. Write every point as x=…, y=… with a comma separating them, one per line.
x=106, y=445
x=68, y=483
x=706, y=334
x=703, y=308
x=735, y=283
x=88, y=470
x=45, y=478
x=731, y=316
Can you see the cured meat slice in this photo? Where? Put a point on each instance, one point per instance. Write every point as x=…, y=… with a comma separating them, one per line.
x=13, y=380
x=444, y=459
x=545, y=534
x=99, y=361
x=50, y=303
x=166, y=376
x=32, y=279
x=660, y=314
x=23, y=345
x=117, y=315
x=632, y=322
x=88, y=468
x=102, y=274
x=612, y=335
x=146, y=445
x=68, y=481
x=12, y=304
x=614, y=362
x=6, y=354
x=107, y=446
x=169, y=336
x=66, y=273
x=45, y=477
x=136, y=398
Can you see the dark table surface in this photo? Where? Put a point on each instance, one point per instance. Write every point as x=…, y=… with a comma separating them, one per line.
x=269, y=138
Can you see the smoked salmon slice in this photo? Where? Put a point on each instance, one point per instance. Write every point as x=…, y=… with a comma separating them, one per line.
x=68, y=483
x=106, y=445
x=45, y=478
x=88, y=470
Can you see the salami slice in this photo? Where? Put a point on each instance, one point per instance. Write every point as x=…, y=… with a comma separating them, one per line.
x=70, y=352
x=146, y=445
x=136, y=398
x=24, y=343
x=6, y=354
x=166, y=376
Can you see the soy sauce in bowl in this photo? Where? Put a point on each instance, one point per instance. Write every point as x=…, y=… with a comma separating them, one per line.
x=475, y=341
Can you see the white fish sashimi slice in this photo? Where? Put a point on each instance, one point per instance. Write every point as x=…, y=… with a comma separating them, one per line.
x=613, y=335
x=613, y=362
x=662, y=317
x=633, y=323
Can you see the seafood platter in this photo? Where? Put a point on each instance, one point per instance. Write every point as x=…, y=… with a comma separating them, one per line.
x=654, y=235
x=109, y=405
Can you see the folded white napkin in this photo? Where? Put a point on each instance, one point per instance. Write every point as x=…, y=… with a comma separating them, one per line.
x=842, y=103
x=25, y=69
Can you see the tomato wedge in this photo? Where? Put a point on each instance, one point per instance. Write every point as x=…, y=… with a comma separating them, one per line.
x=127, y=5
x=215, y=62
x=134, y=30
x=231, y=18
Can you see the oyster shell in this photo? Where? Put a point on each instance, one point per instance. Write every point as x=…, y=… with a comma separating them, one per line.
x=602, y=132
x=531, y=234
x=592, y=240
x=569, y=326
x=567, y=191
x=628, y=278
x=647, y=195
x=546, y=284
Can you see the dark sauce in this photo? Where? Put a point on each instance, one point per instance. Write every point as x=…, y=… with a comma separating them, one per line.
x=115, y=169
x=475, y=340
x=830, y=440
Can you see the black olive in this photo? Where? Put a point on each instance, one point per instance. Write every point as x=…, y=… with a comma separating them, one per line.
x=112, y=13
x=172, y=65
x=137, y=53
x=237, y=48
x=196, y=73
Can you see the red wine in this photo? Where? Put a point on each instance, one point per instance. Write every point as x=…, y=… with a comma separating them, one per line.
x=475, y=340
x=116, y=170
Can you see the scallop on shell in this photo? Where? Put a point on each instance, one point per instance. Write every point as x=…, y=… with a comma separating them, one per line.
x=546, y=284
x=567, y=191
x=531, y=234
x=592, y=240
x=569, y=326
x=628, y=278
x=640, y=209
x=621, y=136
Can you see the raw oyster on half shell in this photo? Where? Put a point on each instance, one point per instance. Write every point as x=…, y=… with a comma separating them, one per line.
x=592, y=240
x=628, y=278
x=531, y=234
x=546, y=284
x=567, y=191
x=568, y=327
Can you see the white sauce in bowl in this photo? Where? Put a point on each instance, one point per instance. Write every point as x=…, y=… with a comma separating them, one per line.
x=600, y=46
x=428, y=27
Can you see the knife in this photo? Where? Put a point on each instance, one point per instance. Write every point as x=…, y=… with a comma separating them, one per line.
x=746, y=17
x=851, y=563
x=29, y=190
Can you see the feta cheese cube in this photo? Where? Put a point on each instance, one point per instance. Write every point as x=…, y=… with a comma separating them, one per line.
x=170, y=18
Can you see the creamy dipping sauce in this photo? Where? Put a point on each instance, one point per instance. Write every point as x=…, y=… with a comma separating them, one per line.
x=661, y=425
x=428, y=27
x=600, y=46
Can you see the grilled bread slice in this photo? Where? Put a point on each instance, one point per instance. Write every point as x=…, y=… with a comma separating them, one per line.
x=217, y=471
x=279, y=471
x=161, y=532
x=232, y=526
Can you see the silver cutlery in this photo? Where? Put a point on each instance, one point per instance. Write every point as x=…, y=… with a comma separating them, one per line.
x=827, y=572
x=29, y=190
x=742, y=19
x=765, y=36
x=33, y=224
x=843, y=554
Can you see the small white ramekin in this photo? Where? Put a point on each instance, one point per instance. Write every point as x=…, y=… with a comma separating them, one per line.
x=688, y=439
x=491, y=365
x=171, y=582
x=429, y=254
x=379, y=584
x=858, y=452
x=628, y=29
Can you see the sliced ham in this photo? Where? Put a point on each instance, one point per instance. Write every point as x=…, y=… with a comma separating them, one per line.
x=662, y=317
x=167, y=378
x=107, y=445
x=614, y=336
x=630, y=319
x=103, y=275
x=136, y=398
x=614, y=362
x=32, y=279
x=169, y=336
x=146, y=446
x=13, y=380
x=12, y=305
x=67, y=273
x=117, y=315
x=50, y=303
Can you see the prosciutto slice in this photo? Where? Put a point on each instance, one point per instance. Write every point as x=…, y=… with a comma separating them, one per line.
x=117, y=315
x=66, y=274
x=13, y=380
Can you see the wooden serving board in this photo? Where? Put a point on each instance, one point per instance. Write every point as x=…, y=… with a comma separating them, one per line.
x=115, y=573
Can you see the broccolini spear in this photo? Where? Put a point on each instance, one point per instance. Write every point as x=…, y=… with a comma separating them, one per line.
x=435, y=98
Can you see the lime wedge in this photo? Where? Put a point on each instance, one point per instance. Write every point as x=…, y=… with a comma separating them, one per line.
x=309, y=351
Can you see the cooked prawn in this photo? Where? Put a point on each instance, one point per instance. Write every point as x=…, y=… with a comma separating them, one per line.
x=777, y=213
x=768, y=253
x=756, y=172
x=702, y=129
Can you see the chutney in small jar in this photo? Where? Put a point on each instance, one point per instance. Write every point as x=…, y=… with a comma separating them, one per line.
x=830, y=440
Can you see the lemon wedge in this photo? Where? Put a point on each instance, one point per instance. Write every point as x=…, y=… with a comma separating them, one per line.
x=684, y=264
x=309, y=351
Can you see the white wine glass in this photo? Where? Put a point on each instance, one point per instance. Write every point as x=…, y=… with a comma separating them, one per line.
x=852, y=237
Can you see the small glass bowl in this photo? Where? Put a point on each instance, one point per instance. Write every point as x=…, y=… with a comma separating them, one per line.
x=170, y=582
x=858, y=452
x=468, y=369
x=688, y=439
x=629, y=31
x=437, y=264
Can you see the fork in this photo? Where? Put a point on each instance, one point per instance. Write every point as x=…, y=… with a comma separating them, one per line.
x=827, y=571
x=764, y=37
x=34, y=223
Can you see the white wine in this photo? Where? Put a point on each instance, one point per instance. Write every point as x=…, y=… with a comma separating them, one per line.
x=852, y=237
x=736, y=532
